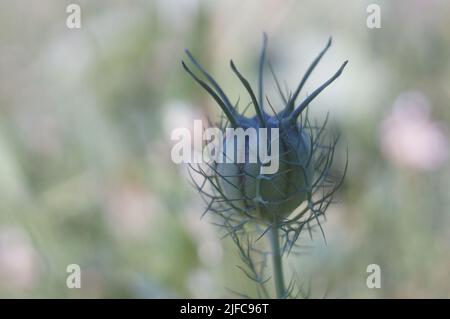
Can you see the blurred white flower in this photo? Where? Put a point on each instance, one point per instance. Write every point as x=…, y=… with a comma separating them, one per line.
x=179, y=114
x=200, y=284
x=19, y=261
x=178, y=14
x=410, y=138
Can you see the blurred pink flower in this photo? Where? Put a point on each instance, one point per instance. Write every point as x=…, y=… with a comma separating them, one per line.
x=130, y=210
x=19, y=261
x=410, y=138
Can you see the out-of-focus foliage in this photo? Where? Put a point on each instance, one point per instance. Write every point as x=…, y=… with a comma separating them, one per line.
x=85, y=120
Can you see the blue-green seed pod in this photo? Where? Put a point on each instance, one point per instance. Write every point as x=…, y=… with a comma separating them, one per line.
x=266, y=195
x=241, y=187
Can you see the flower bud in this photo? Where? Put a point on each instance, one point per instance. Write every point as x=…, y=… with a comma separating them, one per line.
x=303, y=162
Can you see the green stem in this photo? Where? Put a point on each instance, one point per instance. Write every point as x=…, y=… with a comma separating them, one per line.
x=277, y=263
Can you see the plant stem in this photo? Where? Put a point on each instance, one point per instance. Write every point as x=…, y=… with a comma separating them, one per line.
x=277, y=262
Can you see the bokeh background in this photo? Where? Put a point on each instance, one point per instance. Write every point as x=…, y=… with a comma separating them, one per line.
x=85, y=120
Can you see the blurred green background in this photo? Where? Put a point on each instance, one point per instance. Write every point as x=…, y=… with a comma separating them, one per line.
x=85, y=120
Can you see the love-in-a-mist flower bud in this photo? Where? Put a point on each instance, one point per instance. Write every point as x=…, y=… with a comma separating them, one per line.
x=303, y=160
x=263, y=195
